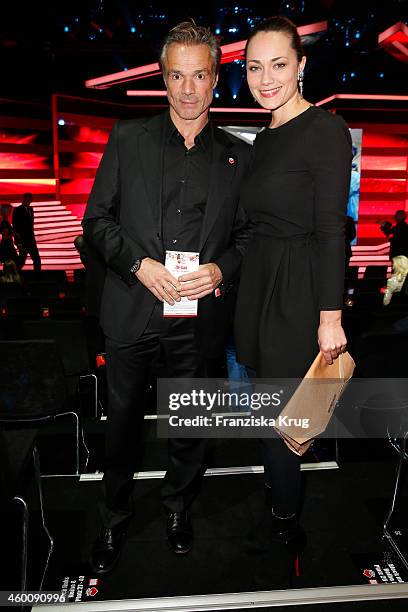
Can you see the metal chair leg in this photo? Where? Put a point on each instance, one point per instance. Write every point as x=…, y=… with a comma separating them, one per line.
x=95, y=379
x=37, y=473
x=78, y=429
x=24, y=552
x=386, y=533
x=395, y=446
x=337, y=451
x=74, y=414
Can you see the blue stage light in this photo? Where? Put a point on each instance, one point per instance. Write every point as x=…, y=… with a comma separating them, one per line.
x=61, y=122
x=217, y=30
x=133, y=29
x=216, y=94
x=66, y=29
x=357, y=35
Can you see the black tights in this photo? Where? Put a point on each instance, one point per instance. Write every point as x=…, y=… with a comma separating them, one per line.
x=282, y=473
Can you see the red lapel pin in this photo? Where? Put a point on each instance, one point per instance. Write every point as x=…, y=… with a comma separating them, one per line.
x=232, y=161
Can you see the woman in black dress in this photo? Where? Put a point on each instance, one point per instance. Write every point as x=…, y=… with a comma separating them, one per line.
x=291, y=290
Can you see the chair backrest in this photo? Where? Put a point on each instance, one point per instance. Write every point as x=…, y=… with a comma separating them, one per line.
x=11, y=290
x=69, y=336
x=382, y=355
x=24, y=308
x=66, y=308
x=32, y=382
x=368, y=300
x=43, y=290
x=376, y=272
x=374, y=278
x=58, y=277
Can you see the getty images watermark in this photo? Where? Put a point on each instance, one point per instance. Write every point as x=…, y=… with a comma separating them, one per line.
x=220, y=408
x=227, y=400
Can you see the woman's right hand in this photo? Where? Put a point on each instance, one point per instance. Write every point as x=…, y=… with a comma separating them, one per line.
x=330, y=335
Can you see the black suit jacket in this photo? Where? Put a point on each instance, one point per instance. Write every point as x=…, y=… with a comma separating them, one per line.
x=123, y=222
x=23, y=223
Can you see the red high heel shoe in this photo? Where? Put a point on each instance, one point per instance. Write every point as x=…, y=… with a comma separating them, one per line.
x=275, y=548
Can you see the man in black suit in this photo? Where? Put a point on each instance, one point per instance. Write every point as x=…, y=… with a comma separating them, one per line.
x=170, y=182
x=23, y=226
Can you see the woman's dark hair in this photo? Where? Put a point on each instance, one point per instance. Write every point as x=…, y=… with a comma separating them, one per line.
x=279, y=24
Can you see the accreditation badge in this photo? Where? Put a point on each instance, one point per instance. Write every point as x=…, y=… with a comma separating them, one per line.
x=178, y=263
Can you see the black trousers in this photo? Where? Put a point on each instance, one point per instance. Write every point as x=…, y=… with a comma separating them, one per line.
x=29, y=248
x=129, y=368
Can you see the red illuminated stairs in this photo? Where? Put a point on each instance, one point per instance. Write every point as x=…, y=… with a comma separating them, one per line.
x=55, y=228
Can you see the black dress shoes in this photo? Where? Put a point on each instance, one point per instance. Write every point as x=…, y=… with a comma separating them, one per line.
x=106, y=549
x=179, y=532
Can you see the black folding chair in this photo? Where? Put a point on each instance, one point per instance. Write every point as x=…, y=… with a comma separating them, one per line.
x=71, y=338
x=384, y=355
x=32, y=392
x=24, y=308
x=58, y=277
x=18, y=452
x=66, y=308
x=10, y=290
x=43, y=291
x=33, y=387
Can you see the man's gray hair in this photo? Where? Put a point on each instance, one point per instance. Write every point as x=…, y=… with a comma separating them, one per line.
x=188, y=33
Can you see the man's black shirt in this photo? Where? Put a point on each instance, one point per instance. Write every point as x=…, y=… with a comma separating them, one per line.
x=186, y=177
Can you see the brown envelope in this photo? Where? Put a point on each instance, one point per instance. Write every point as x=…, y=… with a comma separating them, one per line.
x=314, y=399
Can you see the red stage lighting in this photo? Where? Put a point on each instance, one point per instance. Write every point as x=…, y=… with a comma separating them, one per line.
x=230, y=52
x=394, y=40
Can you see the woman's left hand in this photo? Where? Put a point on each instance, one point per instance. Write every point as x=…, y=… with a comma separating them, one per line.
x=332, y=340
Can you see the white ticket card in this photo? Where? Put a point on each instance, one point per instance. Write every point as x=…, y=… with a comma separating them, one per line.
x=178, y=263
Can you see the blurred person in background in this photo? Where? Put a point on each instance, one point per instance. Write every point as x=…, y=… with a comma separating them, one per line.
x=397, y=278
x=397, y=234
x=7, y=248
x=23, y=226
x=10, y=273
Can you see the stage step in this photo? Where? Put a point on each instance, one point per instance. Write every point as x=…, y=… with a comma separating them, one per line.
x=55, y=228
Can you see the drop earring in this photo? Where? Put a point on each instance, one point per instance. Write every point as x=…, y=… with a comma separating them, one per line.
x=300, y=81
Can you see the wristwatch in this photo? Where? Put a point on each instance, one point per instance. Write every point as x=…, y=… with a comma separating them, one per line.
x=136, y=266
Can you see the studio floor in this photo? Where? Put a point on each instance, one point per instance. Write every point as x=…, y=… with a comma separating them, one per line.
x=343, y=512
